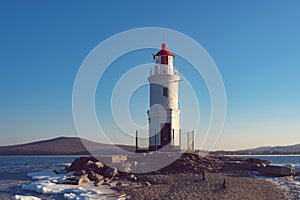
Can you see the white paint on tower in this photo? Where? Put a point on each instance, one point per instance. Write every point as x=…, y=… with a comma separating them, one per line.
x=164, y=115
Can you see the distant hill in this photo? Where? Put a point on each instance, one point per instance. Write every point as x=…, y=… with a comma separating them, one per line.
x=267, y=150
x=75, y=146
x=287, y=149
x=62, y=146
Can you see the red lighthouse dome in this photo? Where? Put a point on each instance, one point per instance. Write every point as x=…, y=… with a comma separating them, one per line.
x=164, y=56
x=164, y=51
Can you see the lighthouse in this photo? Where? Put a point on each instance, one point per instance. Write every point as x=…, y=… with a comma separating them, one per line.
x=164, y=115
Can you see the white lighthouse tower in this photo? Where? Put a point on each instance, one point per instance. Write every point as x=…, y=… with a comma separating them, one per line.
x=164, y=114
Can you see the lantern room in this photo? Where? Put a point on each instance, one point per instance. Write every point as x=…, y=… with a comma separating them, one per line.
x=164, y=56
x=164, y=62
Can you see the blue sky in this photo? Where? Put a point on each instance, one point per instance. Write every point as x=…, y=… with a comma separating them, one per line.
x=255, y=45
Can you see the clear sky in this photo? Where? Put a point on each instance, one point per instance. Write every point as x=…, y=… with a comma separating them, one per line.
x=255, y=44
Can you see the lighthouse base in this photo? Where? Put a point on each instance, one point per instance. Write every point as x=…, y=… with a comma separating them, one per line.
x=165, y=148
x=186, y=142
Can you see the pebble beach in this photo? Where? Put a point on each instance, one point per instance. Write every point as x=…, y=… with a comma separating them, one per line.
x=192, y=186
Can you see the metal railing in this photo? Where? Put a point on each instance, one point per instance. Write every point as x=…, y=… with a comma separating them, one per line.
x=186, y=140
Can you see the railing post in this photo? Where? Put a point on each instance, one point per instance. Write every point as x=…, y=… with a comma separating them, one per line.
x=193, y=135
x=173, y=138
x=187, y=140
x=180, y=139
x=136, y=140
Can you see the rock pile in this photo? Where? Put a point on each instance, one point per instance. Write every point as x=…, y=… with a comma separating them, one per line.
x=190, y=162
x=88, y=169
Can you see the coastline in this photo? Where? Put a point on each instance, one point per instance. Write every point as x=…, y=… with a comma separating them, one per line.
x=180, y=180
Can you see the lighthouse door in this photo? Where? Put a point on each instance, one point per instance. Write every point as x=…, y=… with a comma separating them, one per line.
x=165, y=134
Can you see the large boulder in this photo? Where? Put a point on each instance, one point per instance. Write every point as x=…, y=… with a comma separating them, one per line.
x=94, y=176
x=110, y=173
x=272, y=170
x=96, y=167
x=258, y=161
x=81, y=163
x=79, y=173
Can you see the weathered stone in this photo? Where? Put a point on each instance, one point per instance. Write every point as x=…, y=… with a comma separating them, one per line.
x=80, y=163
x=99, y=164
x=83, y=179
x=91, y=175
x=79, y=173
x=97, y=167
x=99, y=182
x=271, y=170
x=119, y=184
x=259, y=161
x=94, y=176
x=110, y=172
x=147, y=184
x=90, y=162
x=132, y=177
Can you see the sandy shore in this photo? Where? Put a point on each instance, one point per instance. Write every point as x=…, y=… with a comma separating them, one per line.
x=191, y=186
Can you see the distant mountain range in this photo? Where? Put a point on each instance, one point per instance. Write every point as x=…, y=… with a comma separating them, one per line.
x=267, y=150
x=76, y=146
x=62, y=146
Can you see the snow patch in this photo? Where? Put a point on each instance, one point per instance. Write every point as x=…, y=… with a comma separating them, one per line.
x=44, y=183
x=21, y=197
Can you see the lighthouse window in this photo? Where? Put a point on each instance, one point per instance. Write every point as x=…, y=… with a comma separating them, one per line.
x=165, y=92
x=164, y=60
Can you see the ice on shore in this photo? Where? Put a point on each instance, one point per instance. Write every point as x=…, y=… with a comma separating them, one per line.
x=42, y=184
x=22, y=197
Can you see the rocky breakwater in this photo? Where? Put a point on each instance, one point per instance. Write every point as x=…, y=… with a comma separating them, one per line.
x=264, y=167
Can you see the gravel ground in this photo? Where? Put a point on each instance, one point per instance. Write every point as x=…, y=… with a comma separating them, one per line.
x=191, y=186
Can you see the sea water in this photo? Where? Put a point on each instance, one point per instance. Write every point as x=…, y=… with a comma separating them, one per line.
x=29, y=178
